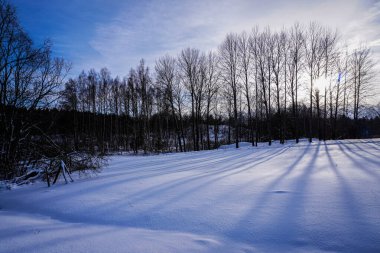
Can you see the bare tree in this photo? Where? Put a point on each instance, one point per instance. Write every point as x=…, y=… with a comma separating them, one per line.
x=229, y=51
x=29, y=79
x=264, y=50
x=144, y=82
x=189, y=63
x=313, y=53
x=277, y=65
x=245, y=66
x=295, y=65
x=211, y=88
x=254, y=50
x=166, y=78
x=362, y=75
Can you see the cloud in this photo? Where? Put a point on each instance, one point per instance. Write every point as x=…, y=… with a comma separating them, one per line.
x=149, y=29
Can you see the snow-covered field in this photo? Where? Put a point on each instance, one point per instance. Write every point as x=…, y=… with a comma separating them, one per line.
x=319, y=197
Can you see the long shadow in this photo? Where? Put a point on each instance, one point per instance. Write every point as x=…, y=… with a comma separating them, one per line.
x=374, y=143
x=165, y=168
x=57, y=197
x=136, y=220
x=352, y=209
x=242, y=168
x=359, y=164
x=374, y=146
x=196, y=157
x=209, y=161
x=232, y=168
x=158, y=170
x=295, y=203
x=257, y=210
x=155, y=161
x=263, y=199
x=377, y=155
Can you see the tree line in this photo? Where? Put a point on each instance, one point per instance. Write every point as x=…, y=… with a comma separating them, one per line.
x=259, y=86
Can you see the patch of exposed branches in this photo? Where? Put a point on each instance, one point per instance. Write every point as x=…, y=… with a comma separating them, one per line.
x=50, y=169
x=49, y=161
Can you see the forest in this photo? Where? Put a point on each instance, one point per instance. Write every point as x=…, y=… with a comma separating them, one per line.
x=261, y=85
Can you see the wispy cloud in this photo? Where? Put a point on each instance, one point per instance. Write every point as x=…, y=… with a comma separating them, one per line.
x=117, y=34
x=148, y=29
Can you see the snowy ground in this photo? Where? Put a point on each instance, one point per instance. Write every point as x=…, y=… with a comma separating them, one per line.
x=323, y=197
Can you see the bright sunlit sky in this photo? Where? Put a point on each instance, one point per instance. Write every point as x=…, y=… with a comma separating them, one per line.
x=117, y=34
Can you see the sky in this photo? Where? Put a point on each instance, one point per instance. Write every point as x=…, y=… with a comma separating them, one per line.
x=117, y=34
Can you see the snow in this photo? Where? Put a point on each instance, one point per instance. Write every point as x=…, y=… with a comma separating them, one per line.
x=319, y=197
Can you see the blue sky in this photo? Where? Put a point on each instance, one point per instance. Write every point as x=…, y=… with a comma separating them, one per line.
x=116, y=34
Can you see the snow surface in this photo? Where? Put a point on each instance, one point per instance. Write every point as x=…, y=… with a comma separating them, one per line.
x=319, y=197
